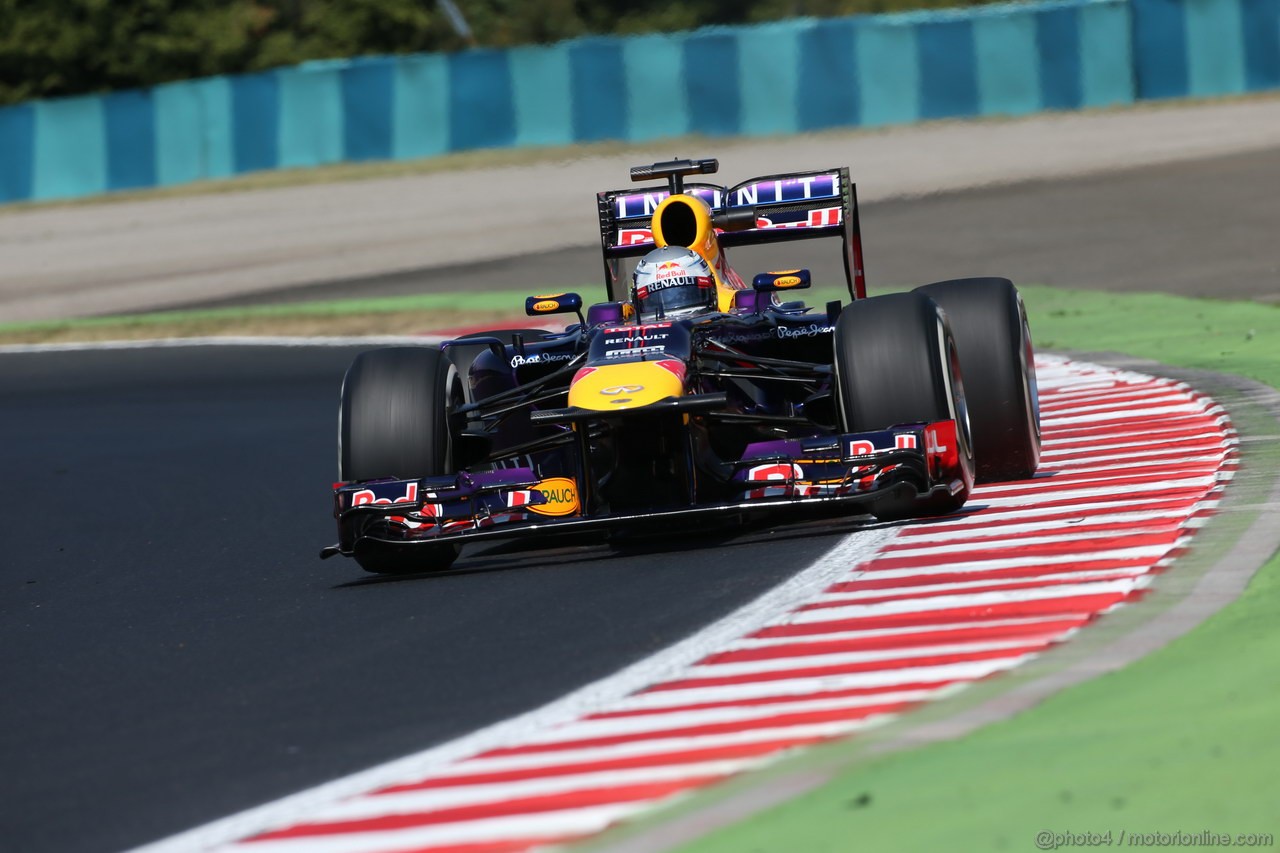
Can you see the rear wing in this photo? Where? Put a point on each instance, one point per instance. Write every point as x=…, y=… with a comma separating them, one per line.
x=791, y=206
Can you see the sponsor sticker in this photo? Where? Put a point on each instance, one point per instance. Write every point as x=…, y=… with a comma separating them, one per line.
x=541, y=358
x=623, y=353
x=367, y=497
x=810, y=331
x=561, y=494
x=775, y=471
x=645, y=203
x=800, y=188
x=701, y=282
x=634, y=236
x=861, y=447
x=638, y=339
x=819, y=218
x=783, y=474
x=643, y=330
x=746, y=337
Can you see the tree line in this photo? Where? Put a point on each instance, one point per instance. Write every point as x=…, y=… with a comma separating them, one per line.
x=50, y=48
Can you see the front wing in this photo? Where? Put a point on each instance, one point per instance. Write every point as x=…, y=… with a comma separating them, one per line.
x=903, y=467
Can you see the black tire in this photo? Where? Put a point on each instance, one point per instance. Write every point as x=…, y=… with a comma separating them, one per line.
x=392, y=423
x=989, y=322
x=896, y=362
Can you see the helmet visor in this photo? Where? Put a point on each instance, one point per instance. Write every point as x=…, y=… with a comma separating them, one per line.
x=674, y=296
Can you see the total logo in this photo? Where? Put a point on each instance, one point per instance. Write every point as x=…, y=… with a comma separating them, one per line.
x=561, y=494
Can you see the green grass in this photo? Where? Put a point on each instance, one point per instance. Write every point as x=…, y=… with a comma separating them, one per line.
x=387, y=315
x=1183, y=740
x=1226, y=337
x=420, y=313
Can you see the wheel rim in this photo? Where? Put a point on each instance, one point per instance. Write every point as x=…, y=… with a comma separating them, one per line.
x=1030, y=385
x=956, y=402
x=455, y=397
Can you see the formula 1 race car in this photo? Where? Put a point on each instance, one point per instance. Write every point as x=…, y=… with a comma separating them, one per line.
x=689, y=397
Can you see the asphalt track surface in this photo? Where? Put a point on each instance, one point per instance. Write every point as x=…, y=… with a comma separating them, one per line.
x=172, y=648
x=173, y=651
x=1200, y=228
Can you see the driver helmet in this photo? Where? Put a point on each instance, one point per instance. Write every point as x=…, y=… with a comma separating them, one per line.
x=672, y=282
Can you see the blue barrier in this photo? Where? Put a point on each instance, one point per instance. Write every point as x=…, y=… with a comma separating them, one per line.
x=18, y=143
x=1261, y=22
x=889, y=62
x=827, y=91
x=420, y=118
x=784, y=77
x=70, y=148
x=1106, y=55
x=597, y=83
x=541, y=77
x=193, y=122
x=368, y=105
x=1059, y=59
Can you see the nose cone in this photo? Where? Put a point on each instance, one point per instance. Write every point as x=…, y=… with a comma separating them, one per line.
x=613, y=387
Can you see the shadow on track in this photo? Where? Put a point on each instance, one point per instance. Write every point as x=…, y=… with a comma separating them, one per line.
x=519, y=556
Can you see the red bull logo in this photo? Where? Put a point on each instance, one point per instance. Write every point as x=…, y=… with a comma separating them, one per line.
x=667, y=270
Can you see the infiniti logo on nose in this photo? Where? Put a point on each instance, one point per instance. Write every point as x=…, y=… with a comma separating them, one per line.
x=622, y=389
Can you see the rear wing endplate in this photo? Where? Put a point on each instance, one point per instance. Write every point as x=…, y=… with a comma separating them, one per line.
x=791, y=206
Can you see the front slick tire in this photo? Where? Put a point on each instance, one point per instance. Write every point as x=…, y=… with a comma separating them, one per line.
x=392, y=423
x=896, y=363
x=989, y=322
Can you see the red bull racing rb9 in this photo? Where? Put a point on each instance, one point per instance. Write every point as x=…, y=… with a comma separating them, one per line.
x=690, y=397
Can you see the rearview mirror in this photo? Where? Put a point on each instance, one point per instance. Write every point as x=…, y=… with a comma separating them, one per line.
x=556, y=303
x=767, y=282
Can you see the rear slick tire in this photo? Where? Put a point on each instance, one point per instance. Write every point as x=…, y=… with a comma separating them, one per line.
x=392, y=423
x=989, y=322
x=896, y=363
